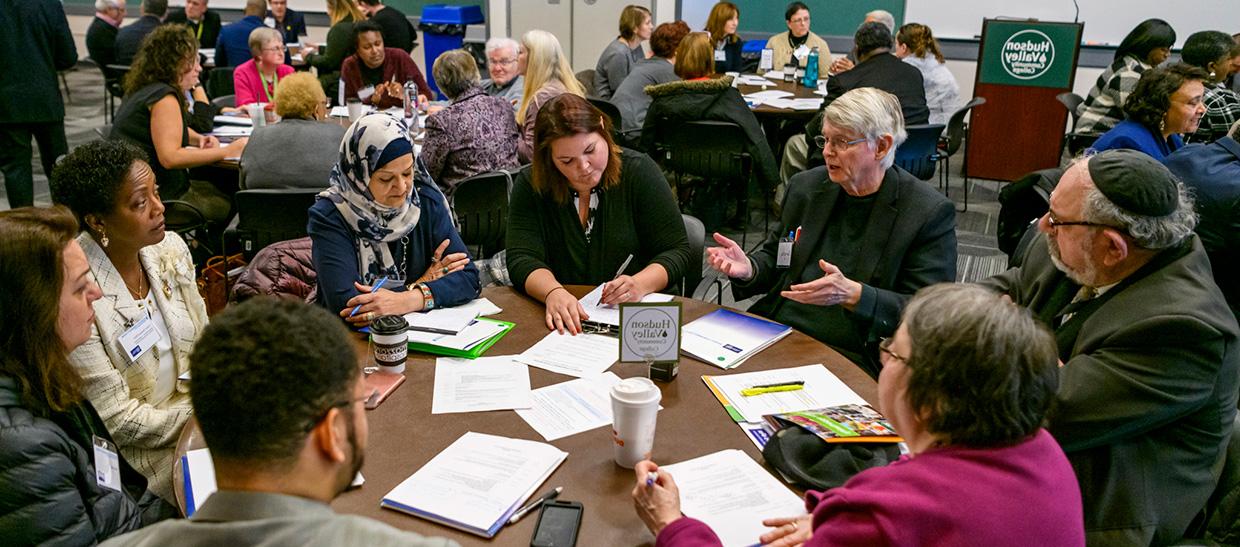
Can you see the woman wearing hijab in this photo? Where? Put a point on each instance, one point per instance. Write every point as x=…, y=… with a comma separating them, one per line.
x=382, y=219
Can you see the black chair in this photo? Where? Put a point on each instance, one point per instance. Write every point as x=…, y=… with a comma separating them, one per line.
x=957, y=133
x=586, y=79
x=1072, y=102
x=265, y=216
x=1074, y=142
x=715, y=151
x=188, y=222
x=612, y=112
x=113, y=86
x=481, y=206
x=220, y=82
x=697, y=249
x=104, y=130
x=916, y=155
x=224, y=101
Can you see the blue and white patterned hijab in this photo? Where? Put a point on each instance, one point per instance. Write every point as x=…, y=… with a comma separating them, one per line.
x=374, y=225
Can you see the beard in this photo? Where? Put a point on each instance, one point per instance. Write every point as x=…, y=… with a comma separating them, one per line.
x=357, y=456
x=1087, y=275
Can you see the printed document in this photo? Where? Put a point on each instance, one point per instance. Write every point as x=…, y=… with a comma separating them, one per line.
x=821, y=389
x=580, y=355
x=477, y=385
x=571, y=407
x=610, y=314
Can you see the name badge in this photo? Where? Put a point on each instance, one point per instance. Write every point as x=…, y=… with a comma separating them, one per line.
x=365, y=92
x=720, y=55
x=783, y=258
x=270, y=21
x=139, y=339
x=801, y=53
x=107, y=464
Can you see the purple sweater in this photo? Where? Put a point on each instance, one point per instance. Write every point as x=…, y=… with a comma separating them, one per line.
x=1022, y=494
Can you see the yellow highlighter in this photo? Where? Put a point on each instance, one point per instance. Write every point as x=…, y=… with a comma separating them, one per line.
x=774, y=388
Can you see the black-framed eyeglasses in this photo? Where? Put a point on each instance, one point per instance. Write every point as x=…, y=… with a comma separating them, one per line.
x=837, y=143
x=884, y=346
x=337, y=404
x=1056, y=223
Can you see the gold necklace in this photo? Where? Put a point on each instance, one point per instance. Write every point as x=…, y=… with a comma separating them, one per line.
x=137, y=296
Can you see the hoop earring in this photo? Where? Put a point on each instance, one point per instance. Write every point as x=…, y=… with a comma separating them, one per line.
x=103, y=238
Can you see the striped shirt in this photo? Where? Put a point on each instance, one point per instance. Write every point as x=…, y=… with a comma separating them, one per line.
x=1222, y=110
x=1105, y=105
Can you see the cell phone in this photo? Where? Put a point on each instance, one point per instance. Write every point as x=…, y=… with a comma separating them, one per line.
x=379, y=385
x=558, y=523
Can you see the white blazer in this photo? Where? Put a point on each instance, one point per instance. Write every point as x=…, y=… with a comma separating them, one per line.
x=146, y=432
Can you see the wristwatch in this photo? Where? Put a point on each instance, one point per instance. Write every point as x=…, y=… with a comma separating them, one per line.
x=427, y=297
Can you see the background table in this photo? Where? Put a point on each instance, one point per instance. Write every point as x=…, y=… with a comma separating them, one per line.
x=404, y=435
x=798, y=91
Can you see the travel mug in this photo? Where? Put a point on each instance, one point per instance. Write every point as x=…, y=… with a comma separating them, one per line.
x=391, y=343
x=634, y=408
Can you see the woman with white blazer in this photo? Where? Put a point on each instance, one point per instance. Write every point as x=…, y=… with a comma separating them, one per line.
x=150, y=313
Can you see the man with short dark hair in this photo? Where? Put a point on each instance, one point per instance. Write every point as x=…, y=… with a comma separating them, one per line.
x=279, y=397
x=233, y=46
x=1150, y=351
x=129, y=37
x=204, y=23
x=289, y=22
x=397, y=31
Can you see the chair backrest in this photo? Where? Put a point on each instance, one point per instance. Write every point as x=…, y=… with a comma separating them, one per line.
x=697, y=248
x=104, y=130
x=708, y=149
x=114, y=79
x=225, y=101
x=220, y=82
x=915, y=155
x=612, y=112
x=265, y=216
x=481, y=206
x=586, y=79
x=956, y=128
x=1070, y=101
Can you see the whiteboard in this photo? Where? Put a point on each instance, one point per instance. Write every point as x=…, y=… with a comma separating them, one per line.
x=1106, y=21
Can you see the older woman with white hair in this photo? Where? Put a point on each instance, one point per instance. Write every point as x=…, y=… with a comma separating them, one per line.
x=255, y=80
x=864, y=236
x=505, y=79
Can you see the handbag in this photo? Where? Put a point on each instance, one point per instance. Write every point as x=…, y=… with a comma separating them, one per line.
x=213, y=281
x=814, y=464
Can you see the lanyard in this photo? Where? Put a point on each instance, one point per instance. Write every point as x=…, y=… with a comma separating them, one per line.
x=275, y=80
x=200, y=25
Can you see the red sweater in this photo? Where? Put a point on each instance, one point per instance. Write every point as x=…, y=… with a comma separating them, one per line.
x=396, y=64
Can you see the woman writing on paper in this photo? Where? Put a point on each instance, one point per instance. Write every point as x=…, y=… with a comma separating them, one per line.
x=382, y=219
x=967, y=381
x=583, y=209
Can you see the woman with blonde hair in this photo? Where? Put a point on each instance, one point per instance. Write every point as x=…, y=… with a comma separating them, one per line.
x=722, y=23
x=915, y=45
x=547, y=75
x=342, y=14
x=300, y=151
x=625, y=51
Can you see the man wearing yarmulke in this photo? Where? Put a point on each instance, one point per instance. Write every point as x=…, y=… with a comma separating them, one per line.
x=1149, y=350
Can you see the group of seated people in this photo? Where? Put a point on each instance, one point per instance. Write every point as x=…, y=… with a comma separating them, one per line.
x=1039, y=403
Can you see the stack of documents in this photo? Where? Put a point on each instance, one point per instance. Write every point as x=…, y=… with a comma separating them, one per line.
x=754, y=79
x=485, y=383
x=441, y=320
x=469, y=342
x=820, y=389
x=725, y=338
x=733, y=495
x=580, y=355
x=476, y=483
x=571, y=407
x=231, y=131
x=224, y=119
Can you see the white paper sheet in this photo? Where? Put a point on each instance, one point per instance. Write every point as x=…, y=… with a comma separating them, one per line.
x=822, y=389
x=580, y=355
x=482, y=306
x=611, y=314
x=223, y=119
x=768, y=94
x=571, y=407
x=470, y=336
x=441, y=320
x=231, y=131
x=478, y=385
x=733, y=495
x=477, y=481
x=755, y=80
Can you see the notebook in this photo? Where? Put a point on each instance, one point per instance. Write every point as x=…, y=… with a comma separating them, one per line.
x=725, y=338
x=470, y=343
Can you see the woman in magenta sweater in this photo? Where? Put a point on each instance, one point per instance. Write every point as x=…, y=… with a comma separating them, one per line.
x=967, y=381
x=255, y=80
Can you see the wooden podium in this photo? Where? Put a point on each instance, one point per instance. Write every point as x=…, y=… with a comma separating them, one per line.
x=1022, y=65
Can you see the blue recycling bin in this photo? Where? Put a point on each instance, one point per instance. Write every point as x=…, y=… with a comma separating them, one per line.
x=443, y=29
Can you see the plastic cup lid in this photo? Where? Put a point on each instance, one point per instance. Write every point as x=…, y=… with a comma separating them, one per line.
x=635, y=390
x=389, y=324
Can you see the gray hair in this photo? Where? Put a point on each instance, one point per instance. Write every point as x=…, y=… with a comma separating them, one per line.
x=259, y=38
x=884, y=17
x=502, y=42
x=455, y=72
x=1154, y=233
x=101, y=5
x=871, y=112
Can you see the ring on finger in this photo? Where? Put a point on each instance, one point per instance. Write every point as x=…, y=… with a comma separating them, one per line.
x=445, y=270
x=370, y=316
x=794, y=526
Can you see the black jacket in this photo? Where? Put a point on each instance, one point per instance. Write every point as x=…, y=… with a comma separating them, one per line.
x=101, y=42
x=732, y=57
x=35, y=42
x=1212, y=171
x=210, y=26
x=709, y=100
x=48, y=490
x=397, y=31
x=129, y=38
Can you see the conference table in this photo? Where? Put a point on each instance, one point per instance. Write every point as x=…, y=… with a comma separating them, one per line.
x=798, y=92
x=404, y=435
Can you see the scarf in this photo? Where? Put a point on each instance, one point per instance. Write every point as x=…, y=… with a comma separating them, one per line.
x=373, y=225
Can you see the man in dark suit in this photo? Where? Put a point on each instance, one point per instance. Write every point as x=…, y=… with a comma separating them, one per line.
x=204, y=23
x=855, y=240
x=38, y=44
x=101, y=35
x=233, y=46
x=1212, y=171
x=129, y=37
x=282, y=18
x=1150, y=351
x=397, y=31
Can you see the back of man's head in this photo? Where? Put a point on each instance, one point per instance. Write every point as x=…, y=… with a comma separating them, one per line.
x=158, y=8
x=264, y=373
x=871, y=36
x=257, y=8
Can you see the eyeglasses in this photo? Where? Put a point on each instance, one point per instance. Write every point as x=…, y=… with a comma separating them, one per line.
x=837, y=143
x=884, y=346
x=276, y=48
x=502, y=61
x=1056, y=223
x=338, y=404
x=799, y=20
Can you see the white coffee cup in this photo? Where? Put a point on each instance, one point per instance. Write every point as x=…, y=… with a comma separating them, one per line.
x=355, y=107
x=634, y=409
x=258, y=117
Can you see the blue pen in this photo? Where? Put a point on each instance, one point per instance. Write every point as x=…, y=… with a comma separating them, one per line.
x=372, y=289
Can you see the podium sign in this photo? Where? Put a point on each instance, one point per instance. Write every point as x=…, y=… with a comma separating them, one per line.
x=1021, y=67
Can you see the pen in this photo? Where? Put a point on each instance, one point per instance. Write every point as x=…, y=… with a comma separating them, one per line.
x=535, y=504
x=624, y=265
x=750, y=392
x=372, y=289
x=781, y=384
x=651, y=477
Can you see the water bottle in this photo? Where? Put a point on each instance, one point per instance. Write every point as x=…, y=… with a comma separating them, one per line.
x=411, y=100
x=811, y=70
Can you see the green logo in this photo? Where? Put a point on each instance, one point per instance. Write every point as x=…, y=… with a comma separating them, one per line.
x=1028, y=54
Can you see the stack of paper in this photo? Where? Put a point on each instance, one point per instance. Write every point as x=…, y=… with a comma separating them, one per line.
x=609, y=315
x=441, y=320
x=234, y=131
x=233, y=120
x=753, y=79
x=768, y=94
x=485, y=383
x=571, y=407
x=580, y=355
x=733, y=495
x=820, y=389
x=476, y=483
x=725, y=338
x=469, y=343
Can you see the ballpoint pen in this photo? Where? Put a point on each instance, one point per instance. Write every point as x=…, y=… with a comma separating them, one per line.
x=372, y=290
x=535, y=504
x=623, y=265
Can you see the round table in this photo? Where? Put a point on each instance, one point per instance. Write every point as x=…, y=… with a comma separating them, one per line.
x=798, y=92
x=404, y=435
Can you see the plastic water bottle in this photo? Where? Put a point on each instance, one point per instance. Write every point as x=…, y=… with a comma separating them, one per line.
x=811, y=69
x=411, y=100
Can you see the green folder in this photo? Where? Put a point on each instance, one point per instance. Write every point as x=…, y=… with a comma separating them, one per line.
x=472, y=353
